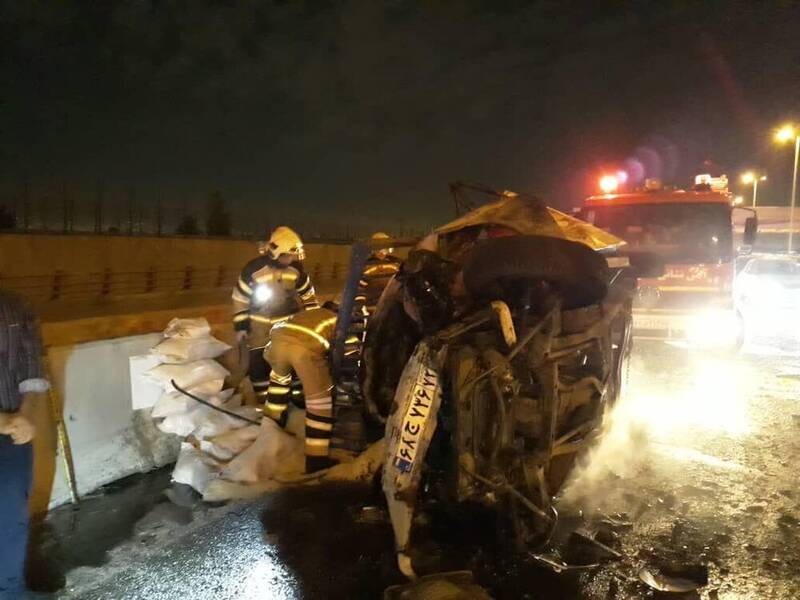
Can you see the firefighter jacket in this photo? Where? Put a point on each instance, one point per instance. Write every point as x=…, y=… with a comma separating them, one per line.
x=268, y=292
x=313, y=328
x=376, y=276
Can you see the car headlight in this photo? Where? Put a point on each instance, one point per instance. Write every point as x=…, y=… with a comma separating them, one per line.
x=766, y=292
x=713, y=328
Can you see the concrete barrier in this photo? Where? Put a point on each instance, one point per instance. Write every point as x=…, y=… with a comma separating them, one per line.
x=89, y=365
x=109, y=440
x=88, y=345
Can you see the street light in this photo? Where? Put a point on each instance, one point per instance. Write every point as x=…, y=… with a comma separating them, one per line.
x=785, y=134
x=754, y=178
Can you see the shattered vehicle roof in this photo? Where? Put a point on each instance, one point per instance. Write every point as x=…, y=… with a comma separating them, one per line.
x=530, y=217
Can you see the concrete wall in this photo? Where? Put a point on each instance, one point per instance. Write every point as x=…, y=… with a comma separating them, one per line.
x=42, y=254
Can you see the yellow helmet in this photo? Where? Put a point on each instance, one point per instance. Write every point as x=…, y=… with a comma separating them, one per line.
x=285, y=241
x=381, y=252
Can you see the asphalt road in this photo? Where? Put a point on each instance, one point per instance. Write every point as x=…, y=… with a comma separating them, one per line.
x=698, y=470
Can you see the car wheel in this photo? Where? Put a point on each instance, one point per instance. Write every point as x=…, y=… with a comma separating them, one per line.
x=579, y=273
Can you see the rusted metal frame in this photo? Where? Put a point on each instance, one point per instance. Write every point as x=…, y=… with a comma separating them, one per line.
x=475, y=320
x=550, y=316
x=503, y=434
x=503, y=485
x=579, y=430
x=569, y=448
x=598, y=384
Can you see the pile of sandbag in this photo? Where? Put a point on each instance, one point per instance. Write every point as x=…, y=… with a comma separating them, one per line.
x=187, y=356
x=216, y=444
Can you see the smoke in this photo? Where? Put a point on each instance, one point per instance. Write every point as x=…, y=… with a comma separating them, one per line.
x=674, y=402
x=623, y=452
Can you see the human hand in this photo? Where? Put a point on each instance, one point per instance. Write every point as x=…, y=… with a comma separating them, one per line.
x=20, y=429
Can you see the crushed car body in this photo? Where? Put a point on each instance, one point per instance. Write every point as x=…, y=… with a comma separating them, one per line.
x=492, y=359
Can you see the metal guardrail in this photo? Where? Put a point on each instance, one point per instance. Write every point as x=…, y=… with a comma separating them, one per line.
x=67, y=286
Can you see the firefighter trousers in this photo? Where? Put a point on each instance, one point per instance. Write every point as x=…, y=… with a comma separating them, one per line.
x=258, y=371
x=309, y=361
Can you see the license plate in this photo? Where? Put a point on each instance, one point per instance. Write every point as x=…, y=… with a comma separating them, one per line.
x=654, y=322
x=415, y=419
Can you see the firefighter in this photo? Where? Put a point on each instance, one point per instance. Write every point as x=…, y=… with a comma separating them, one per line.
x=301, y=344
x=381, y=266
x=271, y=288
x=379, y=269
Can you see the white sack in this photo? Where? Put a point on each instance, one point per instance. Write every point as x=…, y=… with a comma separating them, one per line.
x=216, y=423
x=187, y=376
x=176, y=403
x=183, y=424
x=231, y=443
x=144, y=393
x=200, y=418
x=179, y=351
x=194, y=468
x=187, y=328
x=274, y=452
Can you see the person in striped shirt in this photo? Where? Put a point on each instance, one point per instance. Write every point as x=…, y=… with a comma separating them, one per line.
x=22, y=376
x=270, y=289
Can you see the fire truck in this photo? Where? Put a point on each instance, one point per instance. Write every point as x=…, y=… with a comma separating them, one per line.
x=691, y=232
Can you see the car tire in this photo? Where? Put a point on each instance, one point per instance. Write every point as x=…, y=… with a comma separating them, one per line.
x=580, y=273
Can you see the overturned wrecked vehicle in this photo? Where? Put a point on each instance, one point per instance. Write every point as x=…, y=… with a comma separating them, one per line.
x=492, y=359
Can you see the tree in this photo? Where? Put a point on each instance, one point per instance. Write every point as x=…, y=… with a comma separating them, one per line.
x=7, y=218
x=188, y=226
x=219, y=219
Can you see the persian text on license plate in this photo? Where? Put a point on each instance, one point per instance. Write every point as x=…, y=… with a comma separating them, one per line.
x=414, y=421
x=654, y=322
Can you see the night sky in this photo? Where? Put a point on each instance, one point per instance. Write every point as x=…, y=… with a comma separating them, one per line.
x=364, y=110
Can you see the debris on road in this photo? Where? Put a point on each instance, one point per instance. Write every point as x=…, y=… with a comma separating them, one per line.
x=692, y=579
x=456, y=585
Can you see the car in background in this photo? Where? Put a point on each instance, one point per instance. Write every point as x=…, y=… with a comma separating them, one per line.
x=766, y=296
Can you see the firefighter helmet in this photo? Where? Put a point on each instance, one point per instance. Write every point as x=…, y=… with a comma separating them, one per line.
x=381, y=252
x=285, y=241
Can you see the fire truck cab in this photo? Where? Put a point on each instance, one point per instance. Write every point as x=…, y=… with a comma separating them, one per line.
x=692, y=233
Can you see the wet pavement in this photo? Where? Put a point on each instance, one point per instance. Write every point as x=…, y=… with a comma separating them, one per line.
x=698, y=473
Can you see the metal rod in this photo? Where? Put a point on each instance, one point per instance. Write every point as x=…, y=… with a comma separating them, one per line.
x=794, y=191
x=64, y=446
x=529, y=335
x=510, y=489
x=755, y=191
x=209, y=405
